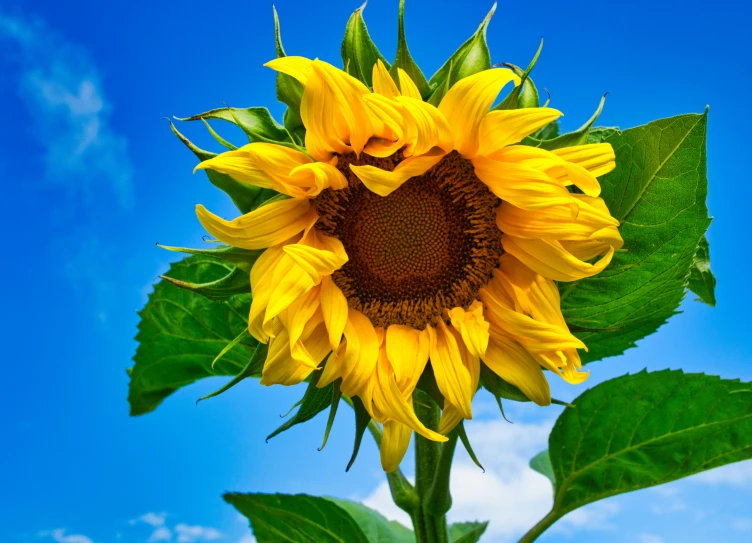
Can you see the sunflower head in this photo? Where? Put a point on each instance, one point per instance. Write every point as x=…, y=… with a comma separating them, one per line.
x=417, y=229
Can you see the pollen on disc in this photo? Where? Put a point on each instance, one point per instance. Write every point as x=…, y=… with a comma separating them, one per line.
x=429, y=245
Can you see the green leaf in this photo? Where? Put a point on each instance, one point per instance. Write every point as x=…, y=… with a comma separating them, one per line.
x=658, y=192
x=467, y=532
x=253, y=369
x=240, y=258
x=376, y=528
x=359, y=53
x=472, y=57
x=234, y=283
x=181, y=333
x=299, y=518
x=362, y=418
x=550, y=131
x=245, y=197
x=289, y=90
x=405, y=61
x=314, y=401
x=647, y=429
x=541, y=463
x=257, y=123
x=570, y=139
x=701, y=279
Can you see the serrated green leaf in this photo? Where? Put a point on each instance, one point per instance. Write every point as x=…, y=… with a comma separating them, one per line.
x=257, y=123
x=362, y=418
x=472, y=57
x=701, y=280
x=240, y=258
x=405, y=61
x=359, y=53
x=289, y=90
x=647, y=429
x=181, y=333
x=570, y=139
x=376, y=528
x=245, y=197
x=541, y=463
x=314, y=401
x=467, y=532
x=299, y=518
x=658, y=192
x=234, y=283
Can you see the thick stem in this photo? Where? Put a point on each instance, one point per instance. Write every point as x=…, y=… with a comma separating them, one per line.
x=537, y=530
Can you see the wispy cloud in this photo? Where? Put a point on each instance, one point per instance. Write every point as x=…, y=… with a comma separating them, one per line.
x=190, y=534
x=60, y=536
x=180, y=533
x=738, y=474
x=67, y=110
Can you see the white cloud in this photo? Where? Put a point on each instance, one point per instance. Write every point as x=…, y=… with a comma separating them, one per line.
x=161, y=533
x=649, y=538
x=738, y=474
x=510, y=495
x=152, y=519
x=189, y=534
x=742, y=524
x=60, y=536
x=247, y=538
x=68, y=111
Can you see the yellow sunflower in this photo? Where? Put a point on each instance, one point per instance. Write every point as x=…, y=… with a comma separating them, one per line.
x=416, y=234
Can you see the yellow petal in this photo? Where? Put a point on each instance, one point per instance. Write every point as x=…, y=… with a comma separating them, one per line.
x=265, y=165
x=382, y=82
x=296, y=67
x=510, y=361
x=533, y=294
x=262, y=273
x=424, y=127
x=501, y=128
x=407, y=86
x=315, y=177
x=298, y=316
x=452, y=377
x=388, y=113
x=394, y=443
x=318, y=261
x=468, y=101
x=360, y=364
x=266, y=226
x=596, y=158
x=288, y=283
x=334, y=307
x=407, y=350
x=450, y=417
x=552, y=260
x=384, y=183
x=521, y=185
x=472, y=326
x=281, y=369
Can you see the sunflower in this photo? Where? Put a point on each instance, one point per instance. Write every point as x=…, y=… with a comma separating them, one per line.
x=407, y=235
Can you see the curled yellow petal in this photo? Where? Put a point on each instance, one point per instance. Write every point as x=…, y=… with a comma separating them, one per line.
x=501, y=128
x=472, y=326
x=318, y=261
x=424, y=127
x=384, y=183
x=513, y=363
x=299, y=68
x=407, y=350
x=466, y=104
x=266, y=226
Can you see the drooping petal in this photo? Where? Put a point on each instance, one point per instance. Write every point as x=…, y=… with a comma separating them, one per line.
x=505, y=127
x=468, y=102
x=382, y=82
x=323, y=257
x=280, y=368
x=288, y=283
x=297, y=316
x=407, y=350
x=513, y=363
x=362, y=368
x=334, y=307
x=384, y=183
x=268, y=225
x=472, y=327
x=450, y=417
x=452, y=377
x=394, y=443
x=262, y=273
x=552, y=260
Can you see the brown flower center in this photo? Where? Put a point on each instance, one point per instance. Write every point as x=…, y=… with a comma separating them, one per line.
x=428, y=246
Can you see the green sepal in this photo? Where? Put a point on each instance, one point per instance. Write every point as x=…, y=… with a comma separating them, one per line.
x=336, y=396
x=289, y=90
x=524, y=95
x=240, y=258
x=405, y=61
x=252, y=369
x=471, y=57
x=466, y=443
x=245, y=197
x=314, y=401
x=570, y=139
x=701, y=280
x=234, y=283
x=362, y=418
x=548, y=132
x=257, y=123
x=223, y=142
x=467, y=532
x=359, y=53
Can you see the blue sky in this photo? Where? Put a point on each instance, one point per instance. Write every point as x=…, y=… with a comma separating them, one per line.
x=93, y=178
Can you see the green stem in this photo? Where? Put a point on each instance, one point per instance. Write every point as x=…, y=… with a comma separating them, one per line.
x=543, y=525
